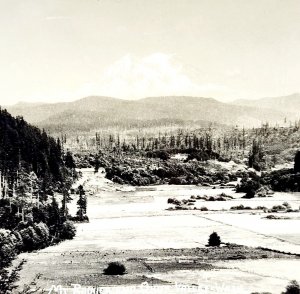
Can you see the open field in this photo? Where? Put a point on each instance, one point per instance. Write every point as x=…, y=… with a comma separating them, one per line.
x=165, y=248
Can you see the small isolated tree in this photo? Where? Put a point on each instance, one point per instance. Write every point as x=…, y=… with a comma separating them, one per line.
x=292, y=288
x=297, y=162
x=214, y=240
x=81, y=203
x=115, y=268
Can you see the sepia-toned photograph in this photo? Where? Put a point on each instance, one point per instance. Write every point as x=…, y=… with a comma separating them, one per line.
x=150, y=146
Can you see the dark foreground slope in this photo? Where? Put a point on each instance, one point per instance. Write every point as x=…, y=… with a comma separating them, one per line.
x=32, y=167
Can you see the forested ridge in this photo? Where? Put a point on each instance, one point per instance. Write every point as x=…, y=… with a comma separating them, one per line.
x=23, y=145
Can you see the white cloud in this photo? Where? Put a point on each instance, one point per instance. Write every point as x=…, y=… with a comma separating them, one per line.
x=153, y=75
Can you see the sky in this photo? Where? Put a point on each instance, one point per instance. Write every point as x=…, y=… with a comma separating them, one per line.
x=62, y=50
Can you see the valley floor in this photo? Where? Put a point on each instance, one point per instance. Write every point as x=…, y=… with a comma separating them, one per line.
x=166, y=248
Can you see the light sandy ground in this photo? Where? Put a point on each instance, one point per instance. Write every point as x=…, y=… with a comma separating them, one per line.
x=239, y=276
x=122, y=219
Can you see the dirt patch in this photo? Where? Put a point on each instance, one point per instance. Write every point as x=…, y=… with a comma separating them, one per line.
x=86, y=268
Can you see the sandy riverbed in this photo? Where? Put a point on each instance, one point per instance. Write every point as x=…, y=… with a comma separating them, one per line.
x=123, y=220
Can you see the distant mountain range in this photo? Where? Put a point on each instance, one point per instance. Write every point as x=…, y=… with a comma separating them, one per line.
x=290, y=103
x=96, y=112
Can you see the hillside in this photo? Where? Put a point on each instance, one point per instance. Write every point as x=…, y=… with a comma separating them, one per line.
x=290, y=103
x=25, y=147
x=32, y=168
x=96, y=112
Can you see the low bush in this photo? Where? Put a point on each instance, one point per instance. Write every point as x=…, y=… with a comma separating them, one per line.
x=261, y=208
x=292, y=288
x=277, y=208
x=76, y=219
x=283, y=180
x=68, y=230
x=161, y=154
x=34, y=236
x=178, y=207
x=177, y=181
x=240, y=207
x=249, y=186
x=271, y=216
x=115, y=268
x=174, y=201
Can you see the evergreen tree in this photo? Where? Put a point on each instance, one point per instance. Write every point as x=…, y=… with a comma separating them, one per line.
x=81, y=203
x=214, y=240
x=54, y=218
x=257, y=156
x=96, y=164
x=69, y=161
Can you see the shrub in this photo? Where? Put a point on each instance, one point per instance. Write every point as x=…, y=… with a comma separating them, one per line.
x=277, y=208
x=250, y=194
x=8, y=278
x=18, y=241
x=297, y=162
x=161, y=154
x=43, y=232
x=176, y=181
x=115, y=268
x=7, y=247
x=221, y=198
x=68, y=230
x=178, y=207
x=292, y=288
x=174, y=201
x=283, y=180
x=271, y=216
x=249, y=186
x=240, y=207
x=214, y=240
x=31, y=239
x=261, y=207
x=76, y=219
x=201, y=155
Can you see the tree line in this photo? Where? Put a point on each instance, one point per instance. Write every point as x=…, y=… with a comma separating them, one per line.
x=33, y=167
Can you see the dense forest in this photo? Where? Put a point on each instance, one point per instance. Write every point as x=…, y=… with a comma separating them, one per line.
x=35, y=174
x=26, y=149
